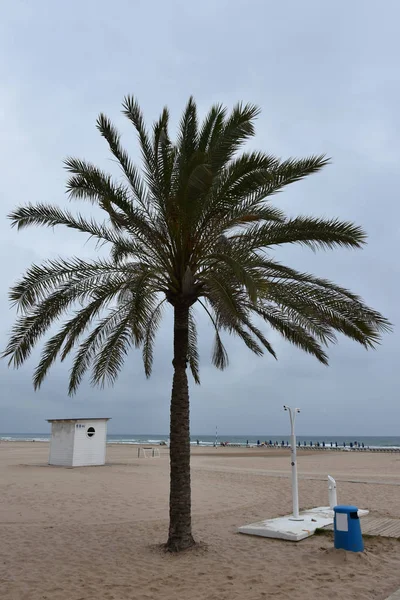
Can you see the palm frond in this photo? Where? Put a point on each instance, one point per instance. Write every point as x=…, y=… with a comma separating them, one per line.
x=81, y=276
x=351, y=318
x=132, y=111
x=282, y=173
x=294, y=333
x=237, y=128
x=219, y=354
x=37, y=320
x=88, y=348
x=274, y=270
x=238, y=269
x=247, y=338
x=140, y=294
x=151, y=327
x=260, y=336
x=164, y=159
x=211, y=127
x=110, y=133
x=67, y=335
x=29, y=328
x=308, y=231
x=50, y=216
x=225, y=298
x=110, y=358
x=294, y=169
x=193, y=354
x=188, y=132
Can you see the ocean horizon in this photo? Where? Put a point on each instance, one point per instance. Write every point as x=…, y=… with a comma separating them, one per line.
x=209, y=440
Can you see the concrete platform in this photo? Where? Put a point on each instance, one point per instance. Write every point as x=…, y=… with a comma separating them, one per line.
x=283, y=528
x=394, y=596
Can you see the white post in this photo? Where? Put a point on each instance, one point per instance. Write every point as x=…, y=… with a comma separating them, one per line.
x=295, y=489
x=332, y=492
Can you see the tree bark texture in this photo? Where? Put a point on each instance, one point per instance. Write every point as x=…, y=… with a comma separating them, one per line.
x=180, y=525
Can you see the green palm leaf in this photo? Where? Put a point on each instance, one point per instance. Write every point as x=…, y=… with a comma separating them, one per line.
x=193, y=354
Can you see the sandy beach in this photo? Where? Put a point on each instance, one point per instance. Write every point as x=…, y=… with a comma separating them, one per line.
x=94, y=533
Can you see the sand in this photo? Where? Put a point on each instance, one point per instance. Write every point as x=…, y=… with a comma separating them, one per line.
x=94, y=533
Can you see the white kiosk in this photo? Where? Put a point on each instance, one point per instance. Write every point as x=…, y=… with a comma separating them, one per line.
x=78, y=442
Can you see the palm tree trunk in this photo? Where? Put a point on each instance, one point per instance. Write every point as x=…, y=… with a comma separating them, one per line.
x=180, y=524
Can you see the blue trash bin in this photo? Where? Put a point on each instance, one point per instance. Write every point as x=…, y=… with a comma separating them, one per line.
x=347, y=529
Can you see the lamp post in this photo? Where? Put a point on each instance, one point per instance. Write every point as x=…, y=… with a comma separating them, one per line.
x=295, y=491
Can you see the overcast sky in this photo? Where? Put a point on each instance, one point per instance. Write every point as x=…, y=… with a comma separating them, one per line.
x=326, y=76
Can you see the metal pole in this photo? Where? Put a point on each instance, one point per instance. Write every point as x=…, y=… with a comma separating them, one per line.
x=295, y=489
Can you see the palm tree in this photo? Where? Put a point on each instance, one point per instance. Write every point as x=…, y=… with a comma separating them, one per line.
x=194, y=226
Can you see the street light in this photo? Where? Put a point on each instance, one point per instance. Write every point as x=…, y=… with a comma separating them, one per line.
x=295, y=491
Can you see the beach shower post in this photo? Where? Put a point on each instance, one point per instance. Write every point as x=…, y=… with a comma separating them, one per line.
x=332, y=492
x=295, y=490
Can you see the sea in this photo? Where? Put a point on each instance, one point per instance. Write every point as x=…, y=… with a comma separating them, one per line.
x=238, y=440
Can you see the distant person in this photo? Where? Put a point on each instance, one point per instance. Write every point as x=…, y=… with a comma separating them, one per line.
x=247, y=443
x=362, y=444
x=305, y=444
x=336, y=444
x=198, y=442
x=323, y=444
x=351, y=444
x=258, y=442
